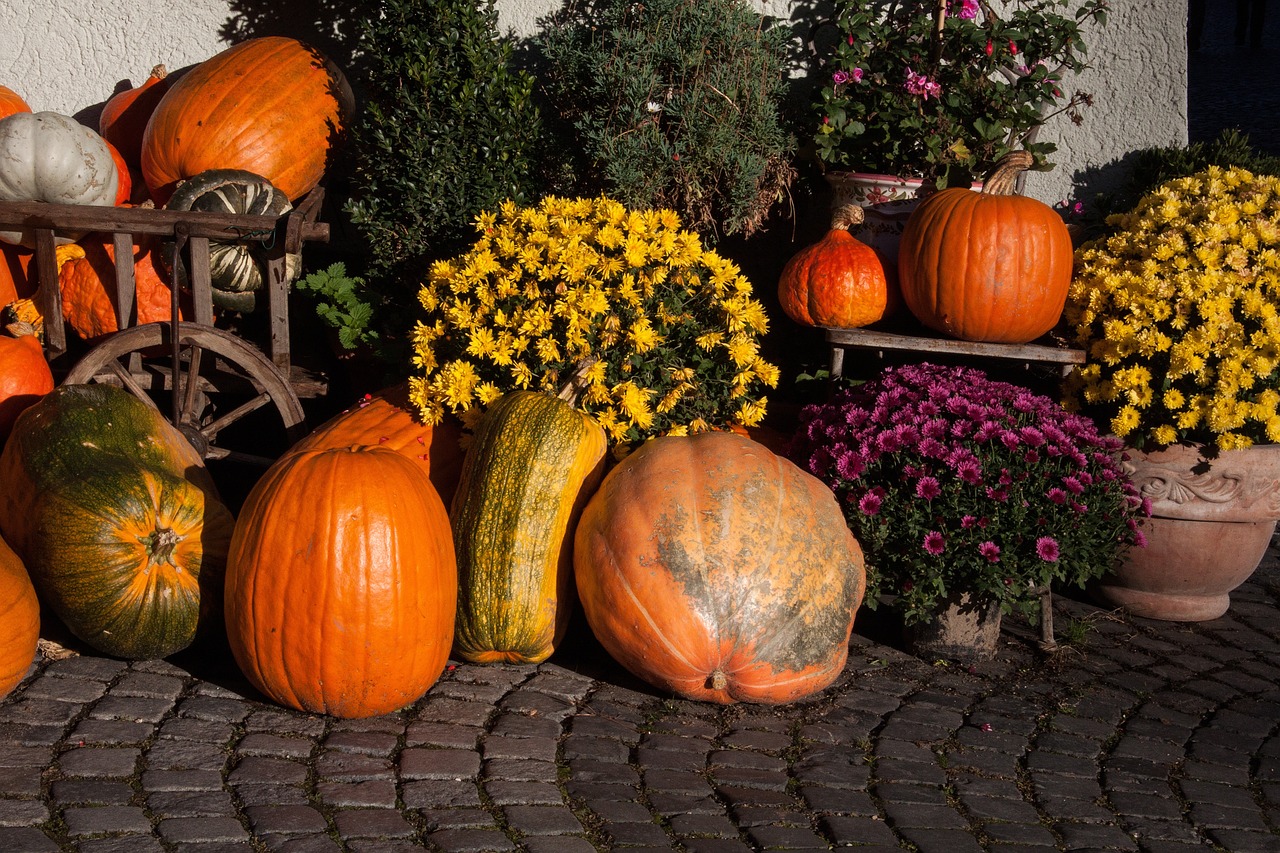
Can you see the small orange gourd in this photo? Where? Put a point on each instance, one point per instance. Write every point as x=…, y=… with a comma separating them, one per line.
x=838, y=282
x=20, y=627
x=11, y=102
x=989, y=266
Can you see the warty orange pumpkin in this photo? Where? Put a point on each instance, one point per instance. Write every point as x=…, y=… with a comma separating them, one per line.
x=838, y=282
x=713, y=568
x=272, y=106
x=989, y=266
x=88, y=283
x=341, y=585
x=20, y=627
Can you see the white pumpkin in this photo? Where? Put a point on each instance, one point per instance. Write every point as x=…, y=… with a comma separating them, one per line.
x=51, y=157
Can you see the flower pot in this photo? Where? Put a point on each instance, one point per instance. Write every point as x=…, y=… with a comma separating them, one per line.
x=962, y=629
x=1211, y=522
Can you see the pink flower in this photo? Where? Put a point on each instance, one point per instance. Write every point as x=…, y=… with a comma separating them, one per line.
x=856, y=75
x=968, y=9
x=870, y=503
x=1047, y=549
x=840, y=77
x=934, y=543
x=928, y=488
x=919, y=84
x=990, y=550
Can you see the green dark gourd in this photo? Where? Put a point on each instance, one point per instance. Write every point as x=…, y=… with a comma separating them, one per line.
x=116, y=519
x=533, y=464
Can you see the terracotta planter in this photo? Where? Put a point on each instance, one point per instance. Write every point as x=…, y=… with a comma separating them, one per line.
x=960, y=630
x=1210, y=525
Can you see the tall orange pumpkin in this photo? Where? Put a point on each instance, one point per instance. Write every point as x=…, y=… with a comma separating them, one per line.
x=388, y=419
x=124, y=116
x=20, y=627
x=11, y=102
x=989, y=266
x=88, y=287
x=272, y=106
x=838, y=282
x=341, y=585
x=711, y=567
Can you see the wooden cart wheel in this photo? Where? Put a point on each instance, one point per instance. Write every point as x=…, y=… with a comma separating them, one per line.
x=214, y=367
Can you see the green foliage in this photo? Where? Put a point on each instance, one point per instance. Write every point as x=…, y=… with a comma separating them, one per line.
x=673, y=104
x=340, y=305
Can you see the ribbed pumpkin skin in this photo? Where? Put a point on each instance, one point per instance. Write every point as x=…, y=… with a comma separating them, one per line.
x=24, y=378
x=836, y=283
x=715, y=569
x=116, y=519
x=88, y=287
x=530, y=468
x=20, y=627
x=981, y=267
x=270, y=105
x=341, y=585
x=388, y=419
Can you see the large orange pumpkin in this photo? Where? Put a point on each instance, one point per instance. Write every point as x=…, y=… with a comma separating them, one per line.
x=713, y=568
x=11, y=102
x=88, y=287
x=838, y=282
x=20, y=627
x=341, y=585
x=388, y=419
x=989, y=266
x=272, y=106
x=24, y=375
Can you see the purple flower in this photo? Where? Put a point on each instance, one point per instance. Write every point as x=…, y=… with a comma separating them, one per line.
x=1056, y=495
x=967, y=521
x=840, y=77
x=967, y=9
x=934, y=543
x=919, y=84
x=1047, y=549
x=969, y=471
x=928, y=488
x=1073, y=484
x=990, y=550
x=870, y=503
x=849, y=466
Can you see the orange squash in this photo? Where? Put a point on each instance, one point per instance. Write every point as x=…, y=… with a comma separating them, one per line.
x=24, y=375
x=20, y=627
x=715, y=569
x=838, y=282
x=124, y=190
x=388, y=419
x=88, y=287
x=341, y=585
x=272, y=106
x=989, y=266
x=124, y=116
x=14, y=282
x=11, y=102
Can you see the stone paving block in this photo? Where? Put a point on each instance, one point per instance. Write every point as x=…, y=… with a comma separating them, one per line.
x=666, y=759
x=301, y=844
x=715, y=845
x=22, y=782
x=538, y=704
x=48, y=712
x=257, y=770
x=1095, y=835
x=383, y=845
x=167, y=754
x=181, y=780
x=745, y=760
x=372, y=823
x=578, y=746
x=439, y=793
x=902, y=815
x=460, y=818
x=191, y=804
x=70, y=690
x=520, y=770
x=22, y=812
x=1027, y=834
x=351, y=767
x=638, y=835
x=787, y=838
x=693, y=825
x=97, y=792
x=827, y=800
x=619, y=811
x=124, y=844
x=213, y=709
x=455, y=711
x=188, y=728
x=504, y=793
x=139, y=709
x=772, y=743
x=426, y=763
x=850, y=830
x=558, y=844
x=890, y=771
x=25, y=839
x=92, y=761
x=190, y=830
x=1245, y=840
x=941, y=840
x=1216, y=816
x=687, y=803
x=272, y=794
x=380, y=744
x=471, y=841
x=1004, y=809
x=442, y=735
x=910, y=793
x=281, y=721
x=275, y=746
x=737, y=795
x=373, y=793
x=741, y=777
x=95, y=820
x=542, y=820
x=85, y=666
x=535, y=748
x=519, y=725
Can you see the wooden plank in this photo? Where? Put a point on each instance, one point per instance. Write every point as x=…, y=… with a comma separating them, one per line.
x=200, y=278
x=868, y=339
x=278, y=308
x=126, y=286
x=143, y=220
x=49, y=296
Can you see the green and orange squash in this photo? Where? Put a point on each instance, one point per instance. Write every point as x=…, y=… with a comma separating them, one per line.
x=711, y=567
x=531, y=466
x=117, y=519
x=341, y=587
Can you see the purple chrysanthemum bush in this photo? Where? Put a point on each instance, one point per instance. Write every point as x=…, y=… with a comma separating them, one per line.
x=956, y=483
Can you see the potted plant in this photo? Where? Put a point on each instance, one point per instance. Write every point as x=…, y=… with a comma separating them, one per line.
x=1176, y=310
x=662, y=333
x=969, y=496
x=918, y=94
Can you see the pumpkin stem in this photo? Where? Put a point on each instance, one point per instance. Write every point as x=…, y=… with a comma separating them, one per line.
x=718, y=680
x=19, y=328
x=160, y=545
x=847, y=216
x=1004, y=176
x=570, y=390
x=160, y=72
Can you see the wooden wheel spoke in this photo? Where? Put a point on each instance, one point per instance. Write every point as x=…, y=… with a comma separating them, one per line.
x=131, y=385
x=191, y=388
x=211, y=430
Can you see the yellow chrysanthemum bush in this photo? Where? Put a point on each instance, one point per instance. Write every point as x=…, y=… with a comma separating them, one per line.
x=661, y=334
x=1177, y=312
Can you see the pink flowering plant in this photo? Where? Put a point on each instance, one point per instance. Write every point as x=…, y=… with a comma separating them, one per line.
x=942, y=89
x=956, y=483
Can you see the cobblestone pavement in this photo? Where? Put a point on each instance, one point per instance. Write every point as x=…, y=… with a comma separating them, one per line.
x=1134, y=735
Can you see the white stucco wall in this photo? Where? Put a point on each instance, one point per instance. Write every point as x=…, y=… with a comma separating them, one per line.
x=70, y=55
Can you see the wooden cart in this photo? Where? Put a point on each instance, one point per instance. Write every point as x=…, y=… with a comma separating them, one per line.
x=203, y=378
